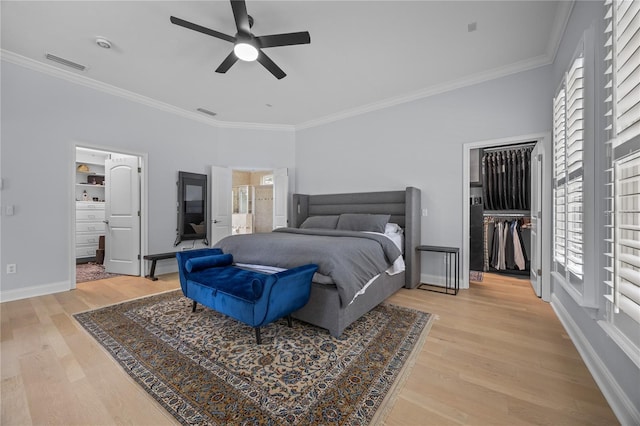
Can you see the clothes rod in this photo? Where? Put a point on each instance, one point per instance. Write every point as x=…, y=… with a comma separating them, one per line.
x=509, y=147
x=527, y=214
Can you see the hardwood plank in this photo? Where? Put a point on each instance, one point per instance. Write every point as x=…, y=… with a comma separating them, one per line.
x=496, y=354
x=15, y=408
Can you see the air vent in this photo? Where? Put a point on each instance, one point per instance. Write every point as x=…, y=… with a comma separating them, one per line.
x=206, y=111
x=66, y=62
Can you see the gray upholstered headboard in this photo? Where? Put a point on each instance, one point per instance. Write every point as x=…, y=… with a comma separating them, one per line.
x=403, y=206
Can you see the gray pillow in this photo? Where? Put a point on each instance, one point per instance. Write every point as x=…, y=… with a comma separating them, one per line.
x=320, y=222
x=363, y=222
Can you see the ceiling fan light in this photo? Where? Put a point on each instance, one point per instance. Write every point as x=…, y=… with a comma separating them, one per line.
x=245, y=51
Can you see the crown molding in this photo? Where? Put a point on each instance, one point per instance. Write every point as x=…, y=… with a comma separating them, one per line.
x=557, y=32
x=496, y=73
x=77, y=78
x=560, y=24
x=559, y=27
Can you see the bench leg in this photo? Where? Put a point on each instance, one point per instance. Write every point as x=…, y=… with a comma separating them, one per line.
x=289, y=321
x=152, y=272
x=258, y=337
x=193, y=307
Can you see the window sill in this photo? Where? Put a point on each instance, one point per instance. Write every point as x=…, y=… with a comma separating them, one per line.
x=575, y=294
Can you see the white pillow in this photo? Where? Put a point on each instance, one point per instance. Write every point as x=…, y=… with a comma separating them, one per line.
x=392, y=228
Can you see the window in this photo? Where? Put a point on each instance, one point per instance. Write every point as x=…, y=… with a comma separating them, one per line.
x=622, y=75
x=568, y=143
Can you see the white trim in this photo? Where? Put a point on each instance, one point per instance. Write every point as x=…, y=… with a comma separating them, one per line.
x=437, y=280
x=560, y=25
x=71, y=195
x=144, y=204
x=621, y=339
x=541, y=138
x=82, y=80
x=624, y=408
x=481, y=77
x=77, y=78
x=34, y=291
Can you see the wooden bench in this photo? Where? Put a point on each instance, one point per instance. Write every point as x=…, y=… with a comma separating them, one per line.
x=154, y=258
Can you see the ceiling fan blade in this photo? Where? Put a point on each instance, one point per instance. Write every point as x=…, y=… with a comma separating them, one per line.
x=226, y=64
x=241, y=16
x=270, y=65
x=200, y=29
x=287, y=39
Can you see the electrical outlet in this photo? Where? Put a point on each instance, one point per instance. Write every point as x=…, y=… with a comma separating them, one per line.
x=11, y=268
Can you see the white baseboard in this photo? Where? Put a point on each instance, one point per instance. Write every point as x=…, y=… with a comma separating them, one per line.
x=432, y=279
x=624, y=409
x=39, y=290
x=165, y=268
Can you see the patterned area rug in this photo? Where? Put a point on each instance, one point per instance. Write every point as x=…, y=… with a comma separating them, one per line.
x=91, y=272
x=476, y=276
x=206, y=368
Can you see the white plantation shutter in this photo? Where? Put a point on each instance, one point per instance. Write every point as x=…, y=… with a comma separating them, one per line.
x=568, y=171
x=626, y=288
x=559, y=177
x=622, y=102
x=626, y=61
x=575, y=142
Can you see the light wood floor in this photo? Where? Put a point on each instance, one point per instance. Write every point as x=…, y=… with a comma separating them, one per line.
x=497, y=355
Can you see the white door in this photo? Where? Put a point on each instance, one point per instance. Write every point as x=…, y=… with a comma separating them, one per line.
x=280, y=198
x=122, y=213
x=221, y=207
x=536, y=219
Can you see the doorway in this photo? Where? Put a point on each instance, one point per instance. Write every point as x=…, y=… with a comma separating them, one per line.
x=474, y=254
x=106, y=220
x=222, y=195
x=252, y=201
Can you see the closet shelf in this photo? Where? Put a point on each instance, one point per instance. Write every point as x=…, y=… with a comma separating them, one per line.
x=91, y=163
x=89, y=185
x=90, y=173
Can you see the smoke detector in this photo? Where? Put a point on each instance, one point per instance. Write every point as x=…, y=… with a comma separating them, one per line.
x=103, y=42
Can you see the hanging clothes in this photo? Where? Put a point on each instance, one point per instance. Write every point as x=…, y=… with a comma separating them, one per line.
x=506, y=181
x=505, y=249
x=518, y=254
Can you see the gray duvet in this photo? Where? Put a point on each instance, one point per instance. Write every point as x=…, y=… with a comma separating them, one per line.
x=349, y=258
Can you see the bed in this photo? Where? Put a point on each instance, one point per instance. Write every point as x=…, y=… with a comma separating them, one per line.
x=332, y=306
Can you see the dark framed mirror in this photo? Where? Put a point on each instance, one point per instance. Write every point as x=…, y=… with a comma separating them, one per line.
x=192, y=207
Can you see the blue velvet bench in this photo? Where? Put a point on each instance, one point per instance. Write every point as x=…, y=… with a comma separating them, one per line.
x=207, y=276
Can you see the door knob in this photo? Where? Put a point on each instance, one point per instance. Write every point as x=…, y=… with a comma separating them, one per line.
x=106, y=221
x=216, y=221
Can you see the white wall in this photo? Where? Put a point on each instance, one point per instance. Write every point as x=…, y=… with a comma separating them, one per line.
x=615, y=372
x=43, y=117
x=420, y=144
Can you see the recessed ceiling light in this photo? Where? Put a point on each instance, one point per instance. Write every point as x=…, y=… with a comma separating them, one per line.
x=103, y=42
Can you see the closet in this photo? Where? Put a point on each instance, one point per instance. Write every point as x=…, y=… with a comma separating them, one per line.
x=500, y=209
x=107, y=202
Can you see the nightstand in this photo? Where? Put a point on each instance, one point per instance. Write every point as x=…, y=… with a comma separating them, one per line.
x=452, y=269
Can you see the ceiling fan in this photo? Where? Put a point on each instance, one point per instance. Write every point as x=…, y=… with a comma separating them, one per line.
x=247, y=46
